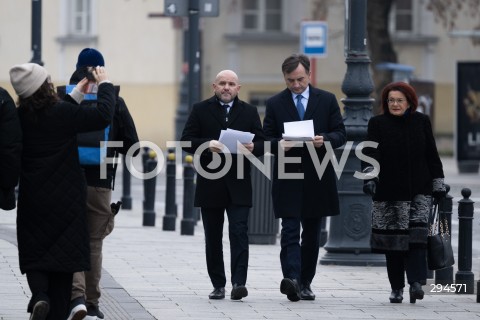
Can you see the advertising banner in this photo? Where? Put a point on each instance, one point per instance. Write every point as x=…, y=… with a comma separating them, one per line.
x=468, y=116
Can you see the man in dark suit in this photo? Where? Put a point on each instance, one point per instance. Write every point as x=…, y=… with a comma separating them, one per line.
x=220, y=185
x=303, y=200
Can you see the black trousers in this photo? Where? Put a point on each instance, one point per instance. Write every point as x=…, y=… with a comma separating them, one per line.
x=213, y=220
x=53, y=287
x=413, y=262
x=299, y=260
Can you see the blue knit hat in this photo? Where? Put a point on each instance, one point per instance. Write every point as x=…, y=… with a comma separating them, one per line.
x=90, y=57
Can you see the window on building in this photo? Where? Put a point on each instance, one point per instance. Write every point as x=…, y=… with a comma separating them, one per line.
x=262, y=15
x=403, y=16
x=80, y=17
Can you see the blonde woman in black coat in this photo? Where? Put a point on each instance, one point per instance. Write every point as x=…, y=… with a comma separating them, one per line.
x=52, y=232
x=410, y=175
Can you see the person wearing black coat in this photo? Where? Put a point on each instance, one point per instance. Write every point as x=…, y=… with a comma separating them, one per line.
x=100, y=218
x=410, y=173
x=302, y=201
x=10, y=150
x=51, y=221
x=230, y=191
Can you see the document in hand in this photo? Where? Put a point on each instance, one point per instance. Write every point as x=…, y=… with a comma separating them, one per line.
x=230, y=137
x=299, y=130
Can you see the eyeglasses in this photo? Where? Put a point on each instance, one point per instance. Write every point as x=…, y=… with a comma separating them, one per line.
x=393, y=101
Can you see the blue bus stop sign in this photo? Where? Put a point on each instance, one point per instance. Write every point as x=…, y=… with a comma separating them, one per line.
x=313, y=38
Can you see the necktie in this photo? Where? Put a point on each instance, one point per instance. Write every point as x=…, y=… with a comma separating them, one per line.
x=226, y=106
x=300, y=107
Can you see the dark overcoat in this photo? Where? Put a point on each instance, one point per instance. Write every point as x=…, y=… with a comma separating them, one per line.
x=205, y=123
x=10, y=150
x=311, y=196
x=409, y=167
x=51, y=220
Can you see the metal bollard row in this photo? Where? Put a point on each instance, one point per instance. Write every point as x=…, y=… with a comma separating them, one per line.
x=464, y=274
x=190, y=214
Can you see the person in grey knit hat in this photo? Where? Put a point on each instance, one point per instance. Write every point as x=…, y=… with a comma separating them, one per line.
x=27, y=78
x=52, y=230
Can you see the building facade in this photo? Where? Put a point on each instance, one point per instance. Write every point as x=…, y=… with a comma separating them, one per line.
x=139, y=51
x=145, y=54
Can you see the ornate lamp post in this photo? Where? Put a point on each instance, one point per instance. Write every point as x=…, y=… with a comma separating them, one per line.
x=349, y=236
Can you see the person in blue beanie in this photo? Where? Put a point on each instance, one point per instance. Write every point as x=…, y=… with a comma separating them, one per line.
x=89, y=57
x=100, y=216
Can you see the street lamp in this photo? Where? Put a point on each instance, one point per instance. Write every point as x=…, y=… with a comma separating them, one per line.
x=349, y=235
x=37, y=32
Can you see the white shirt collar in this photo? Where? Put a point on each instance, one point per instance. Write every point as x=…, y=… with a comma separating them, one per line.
x=305, y=94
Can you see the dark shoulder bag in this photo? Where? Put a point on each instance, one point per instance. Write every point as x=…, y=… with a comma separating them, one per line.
x=439, y=244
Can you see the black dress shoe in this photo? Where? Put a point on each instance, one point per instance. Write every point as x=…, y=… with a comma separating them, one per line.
x=290, y=288
x=416, y=292
x=217, y=294
x=396, y=296
x=306, y=293
x=238, y=292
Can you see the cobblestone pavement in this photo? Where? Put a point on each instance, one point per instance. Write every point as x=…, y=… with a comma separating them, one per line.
x=154, y=274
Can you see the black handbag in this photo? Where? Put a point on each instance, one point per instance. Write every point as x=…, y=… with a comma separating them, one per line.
x=439, y=244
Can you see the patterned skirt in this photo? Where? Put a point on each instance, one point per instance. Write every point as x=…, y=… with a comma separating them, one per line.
x=400, y=225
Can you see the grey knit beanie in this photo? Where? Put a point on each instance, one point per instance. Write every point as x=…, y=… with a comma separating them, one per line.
x=27, y=78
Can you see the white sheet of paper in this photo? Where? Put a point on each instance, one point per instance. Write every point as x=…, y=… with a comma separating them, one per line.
x=230, y=137
x=299, y=130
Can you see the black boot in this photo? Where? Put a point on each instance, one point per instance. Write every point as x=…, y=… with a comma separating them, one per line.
x=396, y=296
x=416, y=292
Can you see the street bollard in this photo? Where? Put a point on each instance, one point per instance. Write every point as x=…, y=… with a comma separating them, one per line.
x=198, y=214
x=464, y=274
x=145, y=169
x=126, y=184
x=149, y=192
x=187, y=225
x=323, y=231
x=145, y=157
x=170, y=217
x=445, y=276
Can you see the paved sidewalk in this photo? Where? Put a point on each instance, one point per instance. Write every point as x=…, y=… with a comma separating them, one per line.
x=155, y=274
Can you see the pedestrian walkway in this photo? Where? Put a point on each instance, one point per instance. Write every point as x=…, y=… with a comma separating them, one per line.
x=155, y=274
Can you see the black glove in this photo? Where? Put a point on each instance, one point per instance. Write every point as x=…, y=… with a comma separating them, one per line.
x=370, y=187
x=438, y=196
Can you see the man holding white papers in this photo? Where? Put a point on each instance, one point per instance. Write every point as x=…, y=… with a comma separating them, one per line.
x=221, y=186
x=301, y=193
